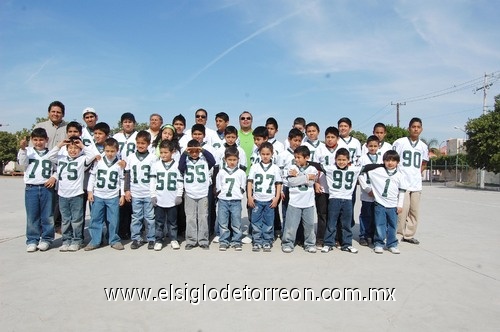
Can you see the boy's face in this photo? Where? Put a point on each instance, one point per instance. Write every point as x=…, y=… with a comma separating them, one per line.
x=197, y=135
x=221, y=124
x=99, y=137
x=232, y=161
x=372, y=147
x=165, y=154
x=110, y=152
x=390, y=164
x=331, y=140
x=259, y=140
x=266, y=155
x=341, y=161
x=39, y=143
x=300, y=160
x=295, y=142
x=128, y=126
x=380, y=133
x=141, y=145
x=194, y=152
x=312, y=133
x=72, y=131
x=415, y=130
x=73, y=150
x=167, y=135
x=179, y=126
x=271, y=130
x=344, y=129
x=90, y=119
x=231, y=139
x=201, y=118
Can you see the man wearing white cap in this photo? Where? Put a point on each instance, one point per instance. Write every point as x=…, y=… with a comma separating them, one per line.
x=90, y=118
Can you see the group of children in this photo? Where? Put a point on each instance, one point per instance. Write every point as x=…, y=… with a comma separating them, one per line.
x=160, y=180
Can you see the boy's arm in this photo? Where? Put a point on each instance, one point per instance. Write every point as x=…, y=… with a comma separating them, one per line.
x=250, y=200
x=209, y=157
x=371, y=167
x=182, y=163
x=125, y=185
x=295, y=181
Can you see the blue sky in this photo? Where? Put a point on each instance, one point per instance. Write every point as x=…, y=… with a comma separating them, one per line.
x=321, y=59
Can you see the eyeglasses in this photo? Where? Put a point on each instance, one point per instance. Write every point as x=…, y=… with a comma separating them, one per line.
x=245, y=118
x=201, y=116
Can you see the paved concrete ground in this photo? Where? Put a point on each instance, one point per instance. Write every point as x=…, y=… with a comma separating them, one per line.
x=450, y=281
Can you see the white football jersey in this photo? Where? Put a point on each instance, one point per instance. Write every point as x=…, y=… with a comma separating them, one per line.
x=106, y=179
x=231, y=183
x=139, y=166
x=264, y=178
x=166, y=183
x=412, y=155
x=126, y=143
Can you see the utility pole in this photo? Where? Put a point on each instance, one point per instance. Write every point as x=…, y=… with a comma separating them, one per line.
x=485, y=87
x=397, y=111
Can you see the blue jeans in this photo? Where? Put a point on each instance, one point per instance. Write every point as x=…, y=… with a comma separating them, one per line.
x=229, y=210
x=39, y=219
x=142, y=209
x=386, y=222
x=339, y=209
x=262, y=223
x=104, y=211
x=72, y=219
x=366, y=223
x=165, y=217
x=294, y=215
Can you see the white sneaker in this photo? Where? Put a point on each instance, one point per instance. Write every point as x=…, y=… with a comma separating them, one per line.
x=378, y=250
x=43, y=246
x=311, y=250
x=326, y=249
x=175, y=245
x=287, y=249
x=246, y=240
x=158, y=246
x=74, y=247
x=350, y=249
x=216, y=239
x=64, y=248
x=394, y=250
x=31, y=247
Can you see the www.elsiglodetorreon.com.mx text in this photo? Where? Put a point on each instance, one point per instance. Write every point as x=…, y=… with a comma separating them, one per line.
x=204, y=293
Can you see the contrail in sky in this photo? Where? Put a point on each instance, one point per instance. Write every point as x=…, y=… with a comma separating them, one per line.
x=38, y=71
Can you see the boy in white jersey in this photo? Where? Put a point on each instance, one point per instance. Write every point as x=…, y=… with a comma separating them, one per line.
x=90, y=118
x=326, y=157
x=71, y=168
x=230, y=139
x=221, y=123
x=341, y=179
x=414, y=154
x=312, y=142
x=387, y=185
x=366, y=222
x=105, y=192
x=196, y=174
x=380, y=131
x=230, y=187
x=272, y=130
x=38, y=162
x=263, y=194
x=300, y=180
x=166, y=194
x=126, y=140
x=137, y=178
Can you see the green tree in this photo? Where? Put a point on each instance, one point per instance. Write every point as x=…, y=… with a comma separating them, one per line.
x=483, y=145
x=394, y=132
x=359, y=135
x=8, y=148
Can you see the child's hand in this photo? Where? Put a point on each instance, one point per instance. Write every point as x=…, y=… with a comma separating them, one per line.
x=371, y=194
x=63, y=143
x=274, y=202
x=98, y=157
x=282, y=196
x=23, y=144
x=293, y=172
x=50, y=182
x=311, y=177
x=90, y=196
x=122, y=163
x=251, y=202
x=122, y=200
x=128, y=196
x=178, y=200
x=317, y=188
x=399, y=210
x=154, y=201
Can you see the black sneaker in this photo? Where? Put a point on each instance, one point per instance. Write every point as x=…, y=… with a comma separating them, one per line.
x=412, y=240
x=135, y=244
x=256, y=248
x=266, y=247
x=151, y=245
x=189, y=246
x=363, y=242
x=237, y=247
x=222, y=247
x=204, y=246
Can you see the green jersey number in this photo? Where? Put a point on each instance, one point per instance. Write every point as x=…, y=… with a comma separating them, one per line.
x=231, y=185
x=412, y=159
x=171, y=181
x=339, y=179
x=46, y=168
x=146, y=170
x=101, y=179
x=197, y=170
x=72, y=169
x=259, y=180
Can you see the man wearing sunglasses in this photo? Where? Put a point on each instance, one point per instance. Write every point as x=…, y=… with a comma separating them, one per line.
x=245, y=136
x=200, y=117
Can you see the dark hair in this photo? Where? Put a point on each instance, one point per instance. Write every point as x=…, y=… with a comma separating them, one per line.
x=73, y=139
x=343, y=152
x=266, y=145
x=143, y=135
x=57, y=104
x=413, y=120
x=112, y=142
x=201, y=110
x=39, y=133
x=158, y=138
x=231, y=130
x=379, y=125
x=390, y=155
x=231, y=151
x=303, y=151
x=312, y=124
x=193, y=144
x=260, y=131
x=102, y=126
x=179, y=117
x=372, y=138
x=332, y=130
x=300, y=121
x=74, y=124
x=198, y=127
x=294, y=132
x=223, y=116
x=345, y=120
x=127, y=116
x=272, y=121
x=169, y=145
